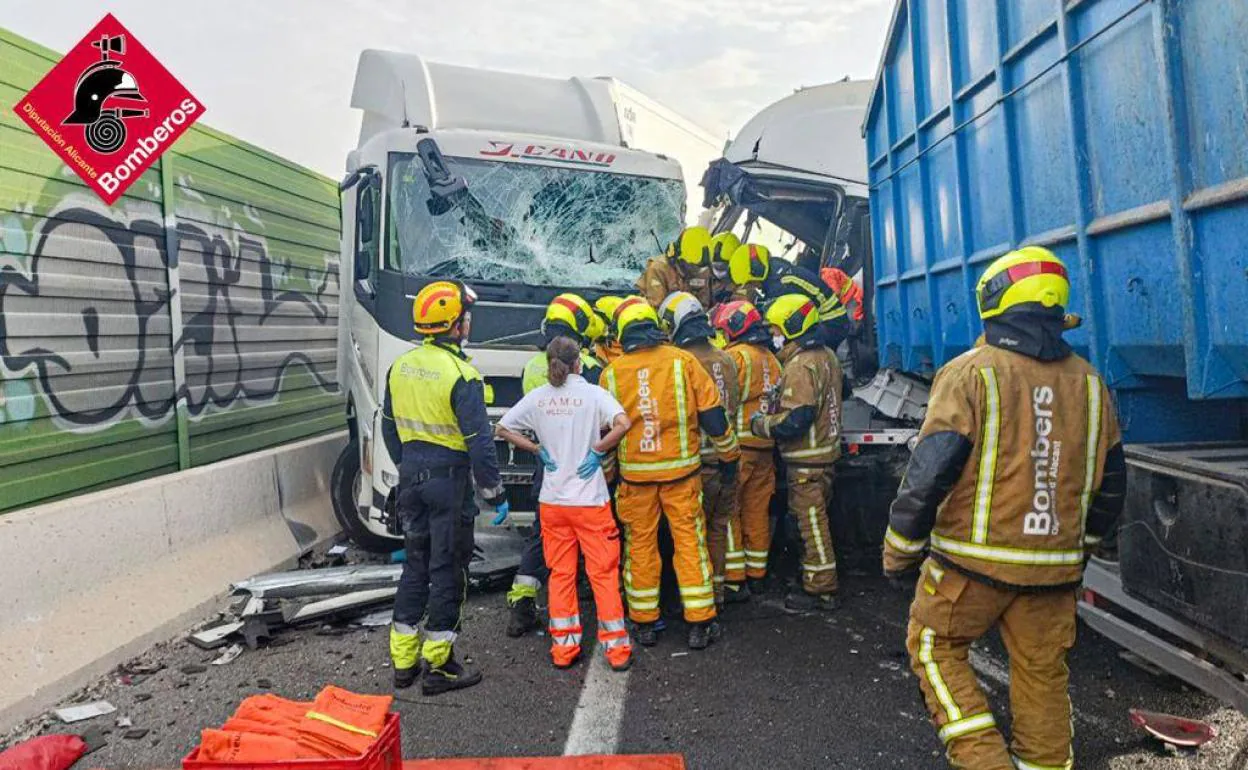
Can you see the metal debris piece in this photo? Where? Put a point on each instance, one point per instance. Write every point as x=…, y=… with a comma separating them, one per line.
x=71, y=714
x=215, y=637
x=125, y=722
x=338, y=550
x=229, y=655
x=319, y=582
x=375, y=619
x=1174, y=730
x=339, y=605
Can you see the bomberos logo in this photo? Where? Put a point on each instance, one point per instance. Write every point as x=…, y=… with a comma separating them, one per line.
x=109, y=109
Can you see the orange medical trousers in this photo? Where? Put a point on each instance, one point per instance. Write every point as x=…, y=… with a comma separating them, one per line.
x=749, y=529
x=639, y=507
x=590, y=530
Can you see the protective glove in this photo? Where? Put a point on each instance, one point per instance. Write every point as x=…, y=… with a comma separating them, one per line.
x=548, y=462
x=728, y=472
x=503, y=509
x=758, y=425
x=591, y=463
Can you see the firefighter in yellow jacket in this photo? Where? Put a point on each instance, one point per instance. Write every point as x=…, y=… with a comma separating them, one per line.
x=1019, y=468
x=758, y=374
x=686, y=266
x=671, y=401
x=806, y=425
x=683, y=318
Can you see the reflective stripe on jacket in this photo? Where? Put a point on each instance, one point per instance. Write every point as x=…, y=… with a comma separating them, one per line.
x=758, y=373
x=421, y=383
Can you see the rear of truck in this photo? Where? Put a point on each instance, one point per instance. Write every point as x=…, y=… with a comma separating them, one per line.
x=1112, y=132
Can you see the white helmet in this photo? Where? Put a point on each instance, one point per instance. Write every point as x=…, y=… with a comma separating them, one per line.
x=676, y=309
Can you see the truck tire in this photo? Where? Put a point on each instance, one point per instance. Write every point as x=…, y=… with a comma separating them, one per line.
x=344, y=485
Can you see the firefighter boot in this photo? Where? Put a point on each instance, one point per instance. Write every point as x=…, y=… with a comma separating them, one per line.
x=736, y=593
x=451, y=675
x=646, y=634
x=757, y=586
x=406, y=677
x=702, y=634
x=523, y=618
x=800, y=601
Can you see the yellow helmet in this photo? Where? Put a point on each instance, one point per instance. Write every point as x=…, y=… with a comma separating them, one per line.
x=597, y=327
x=723, y=246
x=678, y=307
x=793, y=315
x=572, y=311
x=749, y=263
x=634, y=313
x=692, y=246
x=1032, y=274
x=440, y=304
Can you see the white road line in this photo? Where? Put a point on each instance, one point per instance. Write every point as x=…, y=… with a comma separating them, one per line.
x=599, y=713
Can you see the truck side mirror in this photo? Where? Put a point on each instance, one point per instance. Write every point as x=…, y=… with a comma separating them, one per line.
x=366, y=226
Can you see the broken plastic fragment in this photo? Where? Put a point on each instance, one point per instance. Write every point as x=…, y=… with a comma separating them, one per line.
x=1176, y=730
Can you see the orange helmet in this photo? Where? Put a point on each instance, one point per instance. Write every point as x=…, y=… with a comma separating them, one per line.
x=737, y=318
x=440, y=305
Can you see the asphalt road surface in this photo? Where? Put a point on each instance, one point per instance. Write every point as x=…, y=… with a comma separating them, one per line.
x=826, y=690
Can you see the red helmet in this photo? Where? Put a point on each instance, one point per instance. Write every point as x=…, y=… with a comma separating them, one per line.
x=736, y=318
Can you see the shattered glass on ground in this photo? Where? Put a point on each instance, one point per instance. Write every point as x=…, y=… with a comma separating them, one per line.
x=535, y=225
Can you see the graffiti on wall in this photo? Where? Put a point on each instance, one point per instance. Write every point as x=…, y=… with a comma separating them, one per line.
x=85, y=307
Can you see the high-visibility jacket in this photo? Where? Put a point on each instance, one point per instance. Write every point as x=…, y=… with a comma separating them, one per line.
x=537, y=368
x=421, y=383
x=848, y=292
x=661, y=277
x=787, y=278
x=670, y=400
x=1018, y=466
x=758, y=374
x=723, y=372
x=807, y=422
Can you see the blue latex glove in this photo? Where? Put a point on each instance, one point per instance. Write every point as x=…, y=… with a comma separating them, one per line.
x=590, y=465
x=548, y=462
x=504, y=510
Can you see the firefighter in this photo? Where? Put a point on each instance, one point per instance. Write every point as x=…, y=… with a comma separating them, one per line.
x=807, y=427
x=723, y=246
x=686, y=322
x=686, y=266
x=435, y=428
x=607, y=348
x=763, y=279
x=670, y=402
x=570, y=316
x=1019, y=468
x=758, y=373
x=848, y=292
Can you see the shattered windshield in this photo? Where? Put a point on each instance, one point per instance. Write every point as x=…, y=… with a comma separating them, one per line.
x=536, y=225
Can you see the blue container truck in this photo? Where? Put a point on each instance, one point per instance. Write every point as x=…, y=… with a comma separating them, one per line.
x=1114, y=133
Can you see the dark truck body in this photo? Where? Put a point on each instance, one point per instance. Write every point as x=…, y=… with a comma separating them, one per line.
x=1112, y=132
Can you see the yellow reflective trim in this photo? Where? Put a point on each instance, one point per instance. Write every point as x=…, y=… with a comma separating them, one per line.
x=742, y=427
x=926, y=640
x=1005, y=555
x=404, y=648
x=1023, y=764
x=621, y=450
x=1092, y=450
x=641, y=593
x=903, y=544
x=966, y=726
x=704, y=558
x=662, y=465
x=426, y=427
x=812, y=513
x=798, y=453
x=695, y=591
x=987, y=456
x=327, y=719
x=678, y=370
x=697, y=604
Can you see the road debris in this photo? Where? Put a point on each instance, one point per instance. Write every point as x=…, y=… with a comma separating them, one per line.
x=136, y=734
x=1174, y=730
x=49, y=752
x=230, y=654
x=193, y=668
x=71, y=714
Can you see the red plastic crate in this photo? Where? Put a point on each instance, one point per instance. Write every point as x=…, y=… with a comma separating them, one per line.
x=386, y=754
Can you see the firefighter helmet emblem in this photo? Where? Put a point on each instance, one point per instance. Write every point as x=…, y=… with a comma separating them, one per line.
x=98, y=85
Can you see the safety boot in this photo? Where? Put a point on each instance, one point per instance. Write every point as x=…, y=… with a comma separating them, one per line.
x=451, y=675
x=406, y=677
x=523, y=618
x=757, y=586
x=702, y=634
x=736, y=593
x=800, y=601
x=646, y=634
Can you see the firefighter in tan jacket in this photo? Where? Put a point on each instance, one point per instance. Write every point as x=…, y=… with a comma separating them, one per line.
x=685, y=266
x=1019, y=469
x=806, y=425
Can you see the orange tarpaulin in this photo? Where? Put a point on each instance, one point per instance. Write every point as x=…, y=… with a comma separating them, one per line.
x=624, y=762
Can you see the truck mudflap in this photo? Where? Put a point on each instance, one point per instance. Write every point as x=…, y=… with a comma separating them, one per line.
x=1189, y=653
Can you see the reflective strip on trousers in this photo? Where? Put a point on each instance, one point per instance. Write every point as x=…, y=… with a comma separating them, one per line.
x=987, y=456
x=616, y=641
x=1023, y=764
x=404, y=646
x=562, y=624
x=966, y=726
x=1005, y=555
x=903, y=544
x=813, y=514
x=437, y=648
x=1093, y=447
x=756, y=559
x=819, y=567
x=678, y=370
x=817, y=451
x=926, y=639
x=684, y=462
x=704, y=558
x=523, y=587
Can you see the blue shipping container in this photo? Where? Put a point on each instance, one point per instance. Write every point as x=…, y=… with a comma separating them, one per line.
x=1114, y=132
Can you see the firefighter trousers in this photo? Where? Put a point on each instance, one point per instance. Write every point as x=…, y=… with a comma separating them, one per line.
x=810, y=487
x=950, y=611
x=719, y=503
x=590, y=531
x=640, y=507
x=749, y=530
x=532, y=571
x=437, y=510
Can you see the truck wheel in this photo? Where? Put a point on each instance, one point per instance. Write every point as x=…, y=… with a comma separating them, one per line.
x=345, y=487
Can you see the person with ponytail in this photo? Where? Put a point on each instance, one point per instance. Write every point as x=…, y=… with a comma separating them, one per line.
x=568, y=416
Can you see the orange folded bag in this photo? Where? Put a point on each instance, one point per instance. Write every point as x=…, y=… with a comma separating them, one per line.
x=340, y=720
x=226, y=746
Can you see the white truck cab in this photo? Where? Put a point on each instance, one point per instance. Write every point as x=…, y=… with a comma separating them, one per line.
x=520, y=186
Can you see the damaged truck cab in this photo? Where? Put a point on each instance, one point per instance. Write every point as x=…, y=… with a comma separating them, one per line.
x=522, y=187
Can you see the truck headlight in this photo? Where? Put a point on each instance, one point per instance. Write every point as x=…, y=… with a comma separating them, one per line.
x=389, y=479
